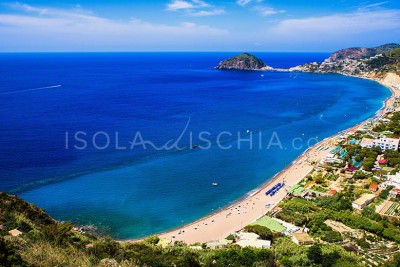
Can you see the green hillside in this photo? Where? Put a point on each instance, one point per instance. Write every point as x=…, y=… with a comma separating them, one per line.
x=388, y=62
x=45, y=242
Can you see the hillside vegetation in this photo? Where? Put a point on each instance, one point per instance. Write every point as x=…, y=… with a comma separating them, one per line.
x=45, y=242
x=388, y=62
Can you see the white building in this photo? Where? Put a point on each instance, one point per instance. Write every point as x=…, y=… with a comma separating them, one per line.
x=252, y=240
x=393, y=180
x=290, y=228
x=248, y=236
x=383, y=142
x=363, y=201
x=257, y=243
x=367, y=142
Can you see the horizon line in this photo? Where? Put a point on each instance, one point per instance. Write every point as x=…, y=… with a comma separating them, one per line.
x=43, y=52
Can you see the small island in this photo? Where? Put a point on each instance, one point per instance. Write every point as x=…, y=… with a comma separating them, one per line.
x=243, y=61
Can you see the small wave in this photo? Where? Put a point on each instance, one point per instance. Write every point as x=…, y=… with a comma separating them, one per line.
x=32, y=89
x=252, y=192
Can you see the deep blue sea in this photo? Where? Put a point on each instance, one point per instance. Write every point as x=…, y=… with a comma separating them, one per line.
x=54, y=104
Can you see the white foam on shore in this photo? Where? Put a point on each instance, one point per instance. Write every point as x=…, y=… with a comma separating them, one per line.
x=252, y=192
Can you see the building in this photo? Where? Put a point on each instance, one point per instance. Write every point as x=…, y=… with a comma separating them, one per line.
x=196, y=247
x=363, y=201
x=15, y=232
x=332, y=192
x=302, y=239
x=289, y=228
x=393, y=180
x=257, y=243
x=382, y=161
x=248, y=236
x=383, y=142
x=218, y=244
x=373, y=187
x=252, y=240
x=394, y=193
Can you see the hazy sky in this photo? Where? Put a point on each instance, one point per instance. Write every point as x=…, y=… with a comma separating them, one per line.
x=197, y=25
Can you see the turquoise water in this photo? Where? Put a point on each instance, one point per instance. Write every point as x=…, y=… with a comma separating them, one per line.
x=135, y=192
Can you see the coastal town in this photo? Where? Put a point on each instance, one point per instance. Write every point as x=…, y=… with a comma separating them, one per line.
x=354, y=173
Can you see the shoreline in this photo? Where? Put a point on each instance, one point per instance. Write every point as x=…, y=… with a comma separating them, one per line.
x=234, y=216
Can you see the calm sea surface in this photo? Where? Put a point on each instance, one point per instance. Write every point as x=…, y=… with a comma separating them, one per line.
x=120, y=100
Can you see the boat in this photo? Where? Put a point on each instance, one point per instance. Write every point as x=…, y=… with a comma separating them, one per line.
x=215, y=184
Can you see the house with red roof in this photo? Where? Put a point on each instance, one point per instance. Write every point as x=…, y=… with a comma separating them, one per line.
x=373, y=187
x=382, y=161
x=332, y=192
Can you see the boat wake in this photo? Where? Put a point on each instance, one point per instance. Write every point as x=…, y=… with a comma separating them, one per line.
x=33, y=89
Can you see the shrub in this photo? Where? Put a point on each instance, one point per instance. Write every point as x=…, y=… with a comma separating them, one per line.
x=262, y=231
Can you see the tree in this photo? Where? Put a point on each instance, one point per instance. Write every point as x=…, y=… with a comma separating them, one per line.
x=319, y=179
x=9, y=256
x=368, y=163
x=332, y=237
x=57, y=233
x=314, y=253
x=262, y=231
x=359, y=175
x=363, y=243
x=385, y=193
x=153, y=239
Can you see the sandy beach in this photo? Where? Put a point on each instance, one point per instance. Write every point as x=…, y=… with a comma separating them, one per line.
x=245, y=211
x=233, y=218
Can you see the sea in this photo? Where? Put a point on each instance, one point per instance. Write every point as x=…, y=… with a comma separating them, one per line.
x=140, y=143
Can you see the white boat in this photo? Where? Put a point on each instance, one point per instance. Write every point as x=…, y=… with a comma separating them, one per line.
x=215, y=184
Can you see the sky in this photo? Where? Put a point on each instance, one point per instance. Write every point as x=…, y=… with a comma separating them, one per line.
x=197, y=25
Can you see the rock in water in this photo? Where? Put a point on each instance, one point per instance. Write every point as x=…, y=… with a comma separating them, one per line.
x=243, y=61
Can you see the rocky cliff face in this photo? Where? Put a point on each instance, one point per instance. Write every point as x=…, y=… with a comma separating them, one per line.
x=350, y=53
x=243, y=61
x=360, y=52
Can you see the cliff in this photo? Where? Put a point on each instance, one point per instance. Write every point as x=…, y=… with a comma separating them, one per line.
x=243, y=61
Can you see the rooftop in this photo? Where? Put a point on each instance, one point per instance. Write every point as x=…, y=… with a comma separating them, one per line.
x=248, y=236
x=296, y=190
x=15, y=232
x=270, y=223
x=332, y=192
x=366, y=141
x=388, y=169
x=373, y=186
x=366, y=197
x=388, y=140
x=258, y=243
x=302, y=237
x=395, y=190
